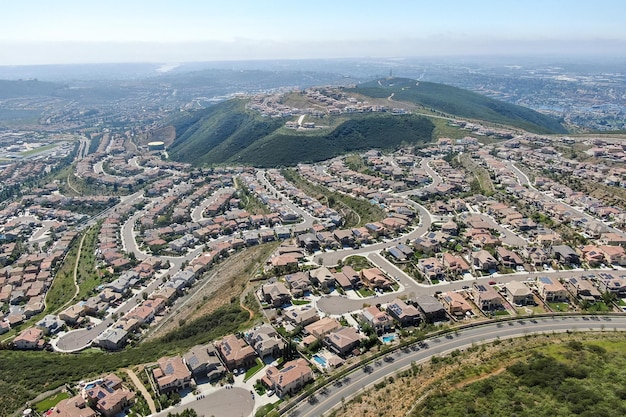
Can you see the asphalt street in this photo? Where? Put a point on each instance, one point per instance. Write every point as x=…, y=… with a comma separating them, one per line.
x=359, y=380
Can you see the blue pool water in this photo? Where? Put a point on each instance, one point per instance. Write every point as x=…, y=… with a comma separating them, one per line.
x=90, y=386
x=389, y=338
x=319, y=359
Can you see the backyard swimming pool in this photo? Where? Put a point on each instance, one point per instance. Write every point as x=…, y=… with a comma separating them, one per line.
x=320, y=359
x=388, y=338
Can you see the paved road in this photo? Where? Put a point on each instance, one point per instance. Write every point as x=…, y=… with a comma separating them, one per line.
x=197, y=214
x=523, y=180
x=333, y=258
x=235, y=402
x=359, y=380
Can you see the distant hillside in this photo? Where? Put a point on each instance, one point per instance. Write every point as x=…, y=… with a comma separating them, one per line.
x=459, y=102
x=227, y=133
x=27, y=88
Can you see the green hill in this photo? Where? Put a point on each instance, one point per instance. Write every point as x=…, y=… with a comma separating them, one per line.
x=228, y=133
x=458, y=102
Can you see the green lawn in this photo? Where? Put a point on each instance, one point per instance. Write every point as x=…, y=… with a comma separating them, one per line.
x=256, y=368
x=559, y=307
x=300, y=302
x=365, y=292
x=48, y=403
x=357, y=262
x=598, y=307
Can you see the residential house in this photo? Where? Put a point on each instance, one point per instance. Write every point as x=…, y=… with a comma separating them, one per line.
x=275, y=294
x=74, y=407
x=566, y=255
x=405, y=314
x=301, y=316
x=298, y=283
x=290, y=379
x=508, y=258
x=112, y=339
x=431, y=268
x=455, y=264
x=171, y=374
x=203, y=361
x=236, y=353
x=350, y=278
x=537, y=256
x=431, y=308
x=108, y=396
x=519, y=294
x=322, y=327
x=583, y=289
x=484, y=261
x=50, y=324
x=375, y=278
x=551, y=290
x=613, y=284
x=456, y=304
x=614, y=255
x=380, y=321
x=73, y=314
x=322, y=277
x=592, y=255
x=266, y=341
x=343, y=341
x=29, y=339
x=486, y=297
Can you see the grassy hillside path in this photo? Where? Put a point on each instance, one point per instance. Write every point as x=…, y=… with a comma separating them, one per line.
x=133, y=376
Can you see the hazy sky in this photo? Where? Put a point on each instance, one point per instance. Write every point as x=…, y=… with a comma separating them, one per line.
x=78, y=31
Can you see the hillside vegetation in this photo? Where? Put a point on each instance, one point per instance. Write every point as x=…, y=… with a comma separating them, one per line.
x=459, y=102
x=228, y=133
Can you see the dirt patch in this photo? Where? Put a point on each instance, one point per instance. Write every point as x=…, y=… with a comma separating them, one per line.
x=222, y=284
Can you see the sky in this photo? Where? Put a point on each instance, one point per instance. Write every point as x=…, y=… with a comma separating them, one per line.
x=85, y=31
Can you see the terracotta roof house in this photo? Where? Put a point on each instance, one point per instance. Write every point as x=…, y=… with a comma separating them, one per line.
x=235, y=352
x=455, y=303
x=298, y=283
x=405, y=314
x=301, y=316
x=276, y=294
x=519, y=294
x=172, y=374
x=486, y=297
x=203, y=361
x=508, y=258
x=380, y=321
x=551, y=290
x=266, y=341
x=293, y=376
x=375, y=278
x=108, y=397
x=614, y=255
x=455, y=264
x=343, y=341
x=484, y=261
x=583, y=289
x=73, y=407
x=29, y=339
x=322, y=327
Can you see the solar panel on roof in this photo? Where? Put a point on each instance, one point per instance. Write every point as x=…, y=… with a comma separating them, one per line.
x=545, y=280
x=481, y=288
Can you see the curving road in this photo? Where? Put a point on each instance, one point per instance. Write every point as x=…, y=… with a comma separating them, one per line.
x=332, y=396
